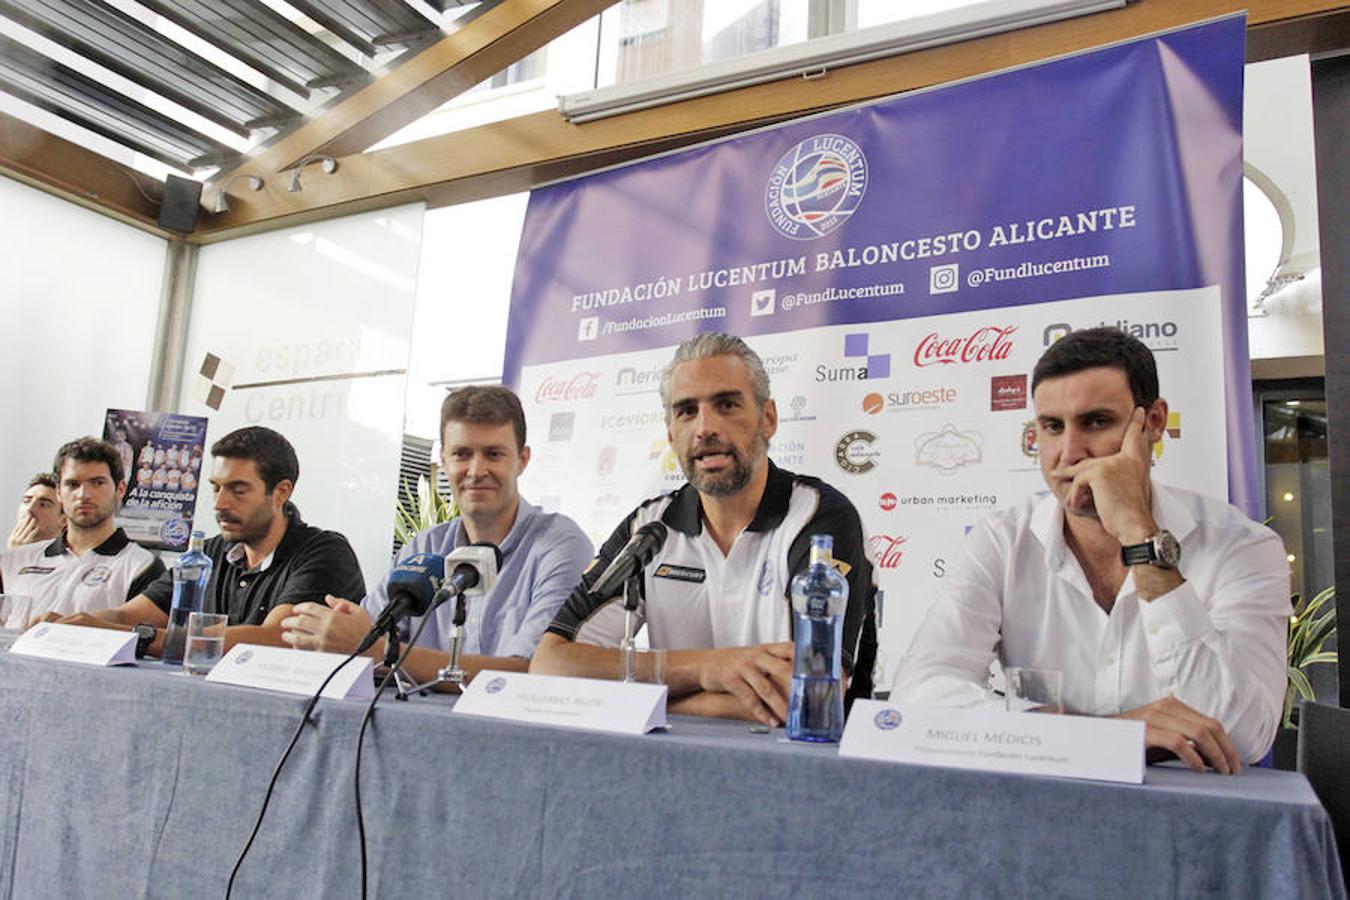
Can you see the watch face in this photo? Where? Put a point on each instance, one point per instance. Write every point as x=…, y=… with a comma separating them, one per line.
x=1169, y=550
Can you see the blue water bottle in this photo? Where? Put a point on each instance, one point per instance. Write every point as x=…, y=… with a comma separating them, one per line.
x=190, y=574
x=819, y=598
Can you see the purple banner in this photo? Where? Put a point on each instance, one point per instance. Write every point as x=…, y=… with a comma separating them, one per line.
x=1111, y=173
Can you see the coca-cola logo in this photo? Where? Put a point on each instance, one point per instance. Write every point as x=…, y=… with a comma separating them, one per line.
x=986, y=345
x=581, y=386
x=887, y=550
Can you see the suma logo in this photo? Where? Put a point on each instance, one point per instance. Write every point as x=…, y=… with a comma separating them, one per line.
x=815, y=187
x=866, y=365
x=985, y=345
x=581, y=386
x=887, y=549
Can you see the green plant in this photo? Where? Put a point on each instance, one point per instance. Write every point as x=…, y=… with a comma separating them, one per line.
x=1308, y=634
x=429, y=508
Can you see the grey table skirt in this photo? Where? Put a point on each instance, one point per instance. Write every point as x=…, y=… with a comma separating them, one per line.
x=145, y=783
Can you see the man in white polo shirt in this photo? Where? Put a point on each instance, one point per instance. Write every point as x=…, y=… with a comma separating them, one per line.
x=92, y=564
x=716, y=594
x=39, y=517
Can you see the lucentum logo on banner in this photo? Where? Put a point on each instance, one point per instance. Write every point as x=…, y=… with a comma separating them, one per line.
x=816, y=186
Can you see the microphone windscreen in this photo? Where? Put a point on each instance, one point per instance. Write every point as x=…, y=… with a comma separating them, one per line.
x=414, y=582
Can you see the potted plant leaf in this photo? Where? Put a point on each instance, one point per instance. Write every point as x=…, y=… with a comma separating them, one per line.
x=421, y=507
x=1310, y=628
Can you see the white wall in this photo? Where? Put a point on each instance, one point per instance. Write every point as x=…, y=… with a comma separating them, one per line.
x=1278, y=142
x=79, y=298
x=463, y=295
x=315, y=321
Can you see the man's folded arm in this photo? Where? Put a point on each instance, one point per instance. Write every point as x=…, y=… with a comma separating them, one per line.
x=947, y=663
x=1226, y=658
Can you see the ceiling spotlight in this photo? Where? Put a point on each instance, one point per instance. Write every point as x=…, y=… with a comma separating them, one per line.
x=329, y=167
x=222, y=204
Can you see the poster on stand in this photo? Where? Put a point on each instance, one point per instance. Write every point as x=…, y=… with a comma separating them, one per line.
x=162, y=457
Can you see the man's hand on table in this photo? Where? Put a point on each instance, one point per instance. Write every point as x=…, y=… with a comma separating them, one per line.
x=1195, y=739
x=759, y=676
x=336, y=626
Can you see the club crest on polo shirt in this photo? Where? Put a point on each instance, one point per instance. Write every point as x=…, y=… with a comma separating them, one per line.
x=96, y=576
x=681, y=573
x=765, y=582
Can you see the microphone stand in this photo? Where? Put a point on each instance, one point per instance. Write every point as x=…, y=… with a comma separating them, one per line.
x=631, y=588
x=452, y=673
x=402, y=684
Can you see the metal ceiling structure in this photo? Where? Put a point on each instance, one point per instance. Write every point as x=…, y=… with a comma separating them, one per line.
x=241, y=92
x=276, y=69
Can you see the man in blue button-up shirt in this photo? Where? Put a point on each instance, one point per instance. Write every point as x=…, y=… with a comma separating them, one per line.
x=483, y=451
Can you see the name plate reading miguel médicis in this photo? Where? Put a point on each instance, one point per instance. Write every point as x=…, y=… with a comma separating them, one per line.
x=996, y=741
x=586, y=703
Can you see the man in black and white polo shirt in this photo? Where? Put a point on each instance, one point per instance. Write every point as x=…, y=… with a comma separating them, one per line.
x=91, y=565
x=716, y=594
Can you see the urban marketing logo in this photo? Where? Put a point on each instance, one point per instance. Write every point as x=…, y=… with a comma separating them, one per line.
x=816, y=186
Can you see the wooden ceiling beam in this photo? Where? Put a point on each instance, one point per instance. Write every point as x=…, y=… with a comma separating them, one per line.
x=504, y=34
x=525, y=152
x=57, y=166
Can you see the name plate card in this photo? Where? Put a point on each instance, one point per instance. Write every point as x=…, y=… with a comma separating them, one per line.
x=78, y=643
x=586, y=703
x=996, y=741
x=295, y=671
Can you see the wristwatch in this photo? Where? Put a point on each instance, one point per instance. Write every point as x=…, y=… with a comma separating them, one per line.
x=1161, y=550
x=145, y=636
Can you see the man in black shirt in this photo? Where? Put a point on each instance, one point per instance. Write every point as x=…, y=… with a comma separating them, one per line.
x=265, y=560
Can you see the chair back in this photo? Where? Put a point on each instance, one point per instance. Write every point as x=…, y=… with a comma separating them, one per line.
x=1324, y=759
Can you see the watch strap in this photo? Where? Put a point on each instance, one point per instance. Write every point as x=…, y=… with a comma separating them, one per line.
x=1138, y=554
x=145, y=636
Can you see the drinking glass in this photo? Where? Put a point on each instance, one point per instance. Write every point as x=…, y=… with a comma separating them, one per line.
x=205, y=642
x=649, y=666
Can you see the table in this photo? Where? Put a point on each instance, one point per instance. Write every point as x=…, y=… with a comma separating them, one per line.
x=144, y=783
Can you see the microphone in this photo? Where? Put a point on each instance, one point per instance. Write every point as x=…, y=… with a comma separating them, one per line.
x=474, y=574
x=639, y=550
x=413, y=585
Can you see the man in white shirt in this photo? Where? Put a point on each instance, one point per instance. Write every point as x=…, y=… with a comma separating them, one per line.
x=39, y=517
x=1156, y=603
x=91, y=565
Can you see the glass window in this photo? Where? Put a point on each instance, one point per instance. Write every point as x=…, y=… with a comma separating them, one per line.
x=1297, y=476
